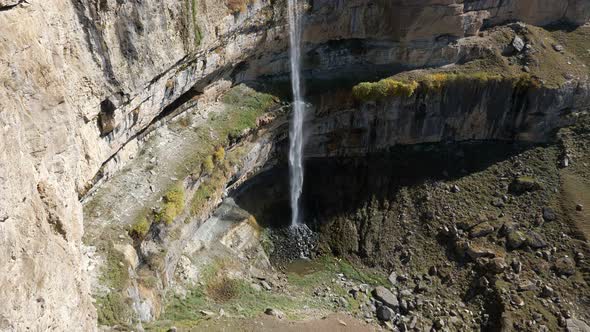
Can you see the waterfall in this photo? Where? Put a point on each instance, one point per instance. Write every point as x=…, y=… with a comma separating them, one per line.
x=296, y=129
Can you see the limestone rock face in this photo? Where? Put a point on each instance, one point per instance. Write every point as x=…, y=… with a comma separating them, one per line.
x=79, y=79
x=428, y=19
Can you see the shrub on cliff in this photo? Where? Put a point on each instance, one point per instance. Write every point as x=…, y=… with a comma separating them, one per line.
x=140, y=228
x=173, y=205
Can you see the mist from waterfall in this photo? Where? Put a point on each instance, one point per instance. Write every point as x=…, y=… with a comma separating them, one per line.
x=296, y=129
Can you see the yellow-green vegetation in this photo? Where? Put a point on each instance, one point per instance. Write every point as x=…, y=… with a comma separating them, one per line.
x=435, y=82
x=546, y=66
x=219, y=155
x=244, y=107
x=140, y=227
x=197, y=29
x=112, y=308
x=385, y=88
x=208, y=166
x=210, y=187
x=325, y=267
x=173, y=205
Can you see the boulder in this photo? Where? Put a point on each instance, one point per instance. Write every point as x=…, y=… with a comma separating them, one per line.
x=524, y=184
x=384, y=313
x=518, y=44
x=386, y=297
x=515, y=239
x=564, y=266
x=482, y=229
x=275, y=313
x=476, y=251
x=535, y=240
x=549, y=214
x=558, y=48
x=576, y=325
x=393, y=278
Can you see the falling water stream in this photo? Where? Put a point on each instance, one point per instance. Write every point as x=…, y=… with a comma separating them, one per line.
x=296, y=130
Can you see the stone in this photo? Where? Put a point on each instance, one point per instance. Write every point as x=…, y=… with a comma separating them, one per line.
x=275, y=313
x=516, y=266
x=476, y=251
x=342, y=302
x=515, y=239
x=507, y=228
x=579, y=207
x=547, y=291
x=558, y=47
x=480, y=230
x=518, y=44
x=565, y=266
x=499, y=203
x=266, y=285
x=384, y=313
x=129, y=254
x=135, y=50
x=535, y=240
x=576, y=325
x=365, y=288
x=516, y=301
x=455, y=189
x=386, y=297
x=483, y=282
x=207, y=313
x=549, y=214
x=526, y=285
x=433, y=271
x=439, y=323
x=524, y=184
x=392, y=278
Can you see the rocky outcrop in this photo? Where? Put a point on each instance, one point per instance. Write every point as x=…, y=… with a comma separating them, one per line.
x=80, y=79
x=461, y=112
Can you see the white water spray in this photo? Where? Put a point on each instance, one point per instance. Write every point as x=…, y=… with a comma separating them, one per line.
x=296, y=132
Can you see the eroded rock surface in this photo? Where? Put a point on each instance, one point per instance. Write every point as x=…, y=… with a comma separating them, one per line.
x=81, y=81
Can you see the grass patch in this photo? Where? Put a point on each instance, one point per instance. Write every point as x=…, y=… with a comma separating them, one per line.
x=173, y=205
x=219, y=155
x=210, y=188
x=244, y=107
x=140, y=227
x=197, y=29
x=112, y=307
x=114, y=274
x=383, y=89
x=576, y=41
x=436, y=82
x=328, y=266
x=208, y=165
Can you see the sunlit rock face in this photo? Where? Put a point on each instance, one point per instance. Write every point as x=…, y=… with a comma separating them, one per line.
x=81, y=79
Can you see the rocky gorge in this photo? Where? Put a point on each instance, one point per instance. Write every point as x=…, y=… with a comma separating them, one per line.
x=144, y=184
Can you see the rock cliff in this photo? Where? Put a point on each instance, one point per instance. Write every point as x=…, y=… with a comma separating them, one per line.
x=81, y=80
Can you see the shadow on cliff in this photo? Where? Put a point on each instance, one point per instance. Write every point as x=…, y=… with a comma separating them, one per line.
x=339, y=186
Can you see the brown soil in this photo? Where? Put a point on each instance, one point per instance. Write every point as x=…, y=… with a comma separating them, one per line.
x=332, y=323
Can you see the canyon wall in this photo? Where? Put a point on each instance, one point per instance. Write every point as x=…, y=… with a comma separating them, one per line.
x=81, y=78
x=340, y=126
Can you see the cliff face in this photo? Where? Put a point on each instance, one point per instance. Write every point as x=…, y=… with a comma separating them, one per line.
x=80, y=79
x=461, y=112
